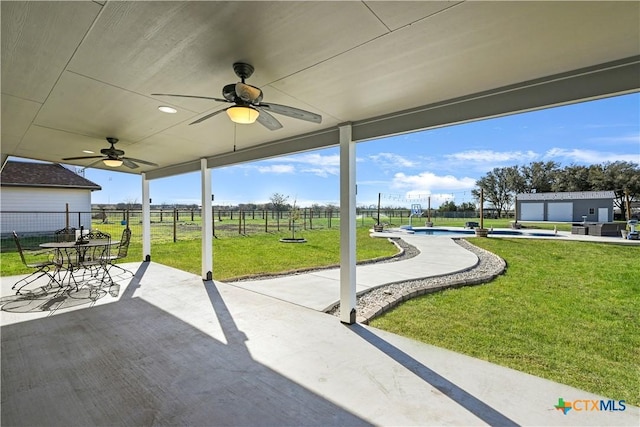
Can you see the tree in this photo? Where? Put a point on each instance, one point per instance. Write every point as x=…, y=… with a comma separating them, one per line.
x=538, y=177
x=466, y=207
x=279, y=201
x=498, y=188
x=572, y=178
x=448, y=206
x=619, y=177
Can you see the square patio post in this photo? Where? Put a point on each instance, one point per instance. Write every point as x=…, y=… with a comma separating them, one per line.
x=347, y=226
x=207, y=222
x=146, y=219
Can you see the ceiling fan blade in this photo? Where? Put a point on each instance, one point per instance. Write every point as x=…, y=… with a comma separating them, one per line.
x=93, y=164
x=190, y=96
x=296, y=113
x=129, y=163
x=83, y=157
x=144, y=162
x=267, y=120
x=208, y=116
x=248, y=93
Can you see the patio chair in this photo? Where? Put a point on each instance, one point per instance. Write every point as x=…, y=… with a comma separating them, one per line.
x=65, y=234
x=123, y=249
x=95, y=256
x=42, y=268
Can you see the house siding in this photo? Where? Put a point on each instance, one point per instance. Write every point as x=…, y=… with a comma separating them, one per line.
x=28, y=209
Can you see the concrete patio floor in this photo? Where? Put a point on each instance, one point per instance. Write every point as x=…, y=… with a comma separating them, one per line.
x=170, y=349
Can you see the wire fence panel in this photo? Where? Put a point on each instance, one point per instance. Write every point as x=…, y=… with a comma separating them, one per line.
x=172, y=225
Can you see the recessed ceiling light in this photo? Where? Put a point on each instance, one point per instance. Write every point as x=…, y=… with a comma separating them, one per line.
x=166, y=109
x=88, y=151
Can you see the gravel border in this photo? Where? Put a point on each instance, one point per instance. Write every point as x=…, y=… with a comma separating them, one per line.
x=405, y=251
x=374, y=302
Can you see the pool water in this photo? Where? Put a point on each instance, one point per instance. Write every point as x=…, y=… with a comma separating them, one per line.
x=443, y=232
x=462, y=233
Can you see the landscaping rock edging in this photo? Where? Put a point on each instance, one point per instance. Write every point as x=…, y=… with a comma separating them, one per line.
x=404, y=252
x=379, y=300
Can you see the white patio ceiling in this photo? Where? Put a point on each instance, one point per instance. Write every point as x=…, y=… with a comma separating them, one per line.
x=74, y=73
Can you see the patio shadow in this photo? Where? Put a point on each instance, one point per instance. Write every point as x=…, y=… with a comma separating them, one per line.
x=133, y=363
x=460, y=396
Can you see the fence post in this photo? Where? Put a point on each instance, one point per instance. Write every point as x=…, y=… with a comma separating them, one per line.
x=266, y=222
x=213, y=220
x=175, y=225
x=240, y=223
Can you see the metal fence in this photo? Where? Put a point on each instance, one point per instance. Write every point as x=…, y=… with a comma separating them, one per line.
x=172, y=225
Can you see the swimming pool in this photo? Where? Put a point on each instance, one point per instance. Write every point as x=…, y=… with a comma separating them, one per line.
x=443, y=232
x=464, y=233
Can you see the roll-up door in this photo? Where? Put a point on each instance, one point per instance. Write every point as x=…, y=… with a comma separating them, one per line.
x=532, y=211
x=562, y=212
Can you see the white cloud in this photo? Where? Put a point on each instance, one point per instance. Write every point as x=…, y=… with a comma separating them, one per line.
x=389, y=160
x=322, y=172
x=310, y=159
x=484, y=156
x=427, y=182
x=276, y=169
x=577, y=155
x=316, y=164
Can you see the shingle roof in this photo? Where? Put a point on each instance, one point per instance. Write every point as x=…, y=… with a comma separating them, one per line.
x=25, y=174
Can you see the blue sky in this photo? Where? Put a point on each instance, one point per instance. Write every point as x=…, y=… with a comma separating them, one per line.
x=441, y=163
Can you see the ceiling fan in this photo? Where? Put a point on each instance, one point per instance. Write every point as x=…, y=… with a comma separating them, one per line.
x=113, y=157
x=248, y=106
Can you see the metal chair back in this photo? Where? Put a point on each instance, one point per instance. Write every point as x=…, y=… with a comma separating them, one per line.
x=16, y=239
x=123, y=249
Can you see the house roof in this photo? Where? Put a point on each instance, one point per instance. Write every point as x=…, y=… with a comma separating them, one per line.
x=27, y=174
x=571, y=195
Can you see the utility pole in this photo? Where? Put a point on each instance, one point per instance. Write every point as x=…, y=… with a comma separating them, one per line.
x=481, y=208
x=626, y=196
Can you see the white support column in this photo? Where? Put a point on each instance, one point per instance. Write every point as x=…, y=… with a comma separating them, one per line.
x=207, y=224
x=146, y=219
x=347, y=226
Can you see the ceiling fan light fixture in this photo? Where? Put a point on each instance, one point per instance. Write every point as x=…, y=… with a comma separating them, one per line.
x=113, y=163
x=242, y=114
x=167, y=109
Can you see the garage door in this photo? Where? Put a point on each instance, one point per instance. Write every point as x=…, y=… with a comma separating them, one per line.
x=560, y=212
x=532, y=211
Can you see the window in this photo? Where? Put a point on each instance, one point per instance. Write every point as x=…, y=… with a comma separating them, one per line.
x=592, y=211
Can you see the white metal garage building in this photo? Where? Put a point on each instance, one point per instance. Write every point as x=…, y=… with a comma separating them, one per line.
x=596, y=206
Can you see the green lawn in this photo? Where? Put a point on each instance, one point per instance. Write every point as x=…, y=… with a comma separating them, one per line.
x=258, y=254
x=240, y=256
x=566, y=311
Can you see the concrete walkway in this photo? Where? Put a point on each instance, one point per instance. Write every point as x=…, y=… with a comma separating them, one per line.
x=439, y=255
x=320, y=290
